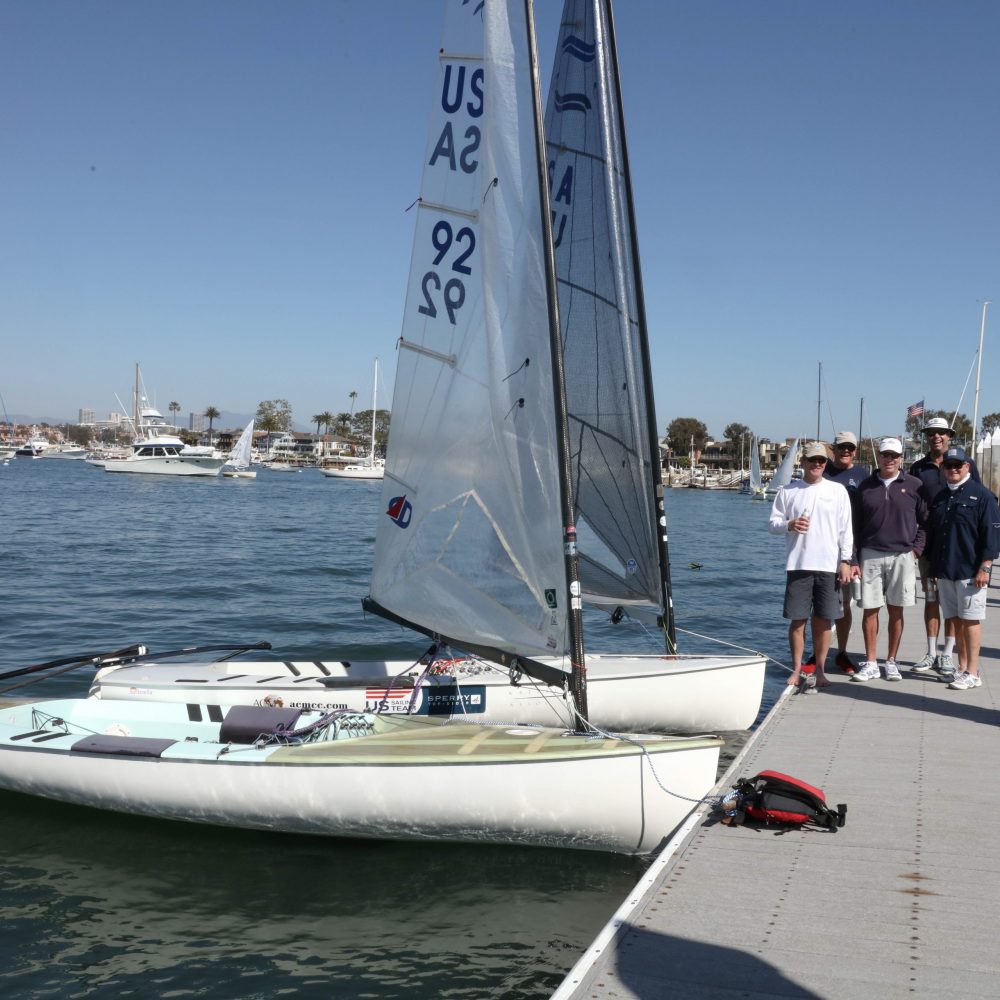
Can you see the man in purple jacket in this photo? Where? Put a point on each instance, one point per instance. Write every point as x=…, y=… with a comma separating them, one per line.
x=890, y=519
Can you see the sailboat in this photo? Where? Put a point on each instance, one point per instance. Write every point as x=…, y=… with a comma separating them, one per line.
x=455, y=554
x=470, y=540
x=238, y=462
x=786, y=468
x=755, y=485
x=372, y=467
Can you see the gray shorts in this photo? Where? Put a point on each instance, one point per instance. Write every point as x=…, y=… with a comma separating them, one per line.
x=810, y=594
x=962, y=599
x=888, y=578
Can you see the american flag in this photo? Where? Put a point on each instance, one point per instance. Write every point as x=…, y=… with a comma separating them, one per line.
x=915, y=409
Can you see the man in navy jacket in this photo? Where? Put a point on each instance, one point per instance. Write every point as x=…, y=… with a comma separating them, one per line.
x=890, y=517
x=930, y=471
x=962, y=542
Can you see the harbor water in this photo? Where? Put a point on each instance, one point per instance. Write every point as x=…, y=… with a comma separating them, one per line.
x=97, y=902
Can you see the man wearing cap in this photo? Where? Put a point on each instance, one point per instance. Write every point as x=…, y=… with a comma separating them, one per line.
x=841, y=469
x=890, y=517
x=930, y=471
x=815, y=516
x=963, y=539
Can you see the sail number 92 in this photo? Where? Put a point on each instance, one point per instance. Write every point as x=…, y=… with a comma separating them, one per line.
x=452, y=292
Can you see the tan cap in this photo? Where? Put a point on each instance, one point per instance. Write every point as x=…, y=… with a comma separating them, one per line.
x=815, y=449
x=845, y=437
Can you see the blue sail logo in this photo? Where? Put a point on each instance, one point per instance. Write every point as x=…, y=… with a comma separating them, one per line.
x=572, y=102
x=578, y=48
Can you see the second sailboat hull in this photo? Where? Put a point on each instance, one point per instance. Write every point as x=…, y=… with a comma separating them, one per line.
x=683, y=694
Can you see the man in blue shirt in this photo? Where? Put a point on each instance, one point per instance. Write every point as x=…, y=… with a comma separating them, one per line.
x=963, y=539
x=930, y=471
x=842, y=469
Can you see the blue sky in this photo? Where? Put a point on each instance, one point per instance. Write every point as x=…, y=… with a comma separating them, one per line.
x=217, y=189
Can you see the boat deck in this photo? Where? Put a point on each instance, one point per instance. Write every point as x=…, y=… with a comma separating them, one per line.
x=903, y=901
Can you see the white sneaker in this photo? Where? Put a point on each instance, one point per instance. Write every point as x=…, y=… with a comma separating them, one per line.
x=892, y=671
x=865, y=672
x=964, y=681
x=927, y=663
x=945, y=667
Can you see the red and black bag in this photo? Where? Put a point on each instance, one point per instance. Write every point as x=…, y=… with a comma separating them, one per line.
x=772, y=797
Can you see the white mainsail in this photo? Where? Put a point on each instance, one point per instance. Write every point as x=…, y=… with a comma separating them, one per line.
x=756, y=482
x=616, y=472
x=239, y=457
x=783, y=474
x=470, y=542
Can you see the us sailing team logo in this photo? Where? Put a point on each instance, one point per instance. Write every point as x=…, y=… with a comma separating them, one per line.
x=400, y=511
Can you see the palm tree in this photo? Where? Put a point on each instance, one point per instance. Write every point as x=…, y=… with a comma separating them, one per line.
x=174, y=408
x=342, y=420
x=211, y=412
x=317, y=419
x=353, y=395
x=326, y=418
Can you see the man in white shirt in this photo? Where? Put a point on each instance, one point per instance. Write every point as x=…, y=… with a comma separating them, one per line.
x=815, y=514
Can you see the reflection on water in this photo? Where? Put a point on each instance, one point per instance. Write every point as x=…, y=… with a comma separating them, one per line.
x=134, y=906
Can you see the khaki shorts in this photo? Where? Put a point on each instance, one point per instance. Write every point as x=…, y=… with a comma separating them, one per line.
x=962, y=599
x=888, y=578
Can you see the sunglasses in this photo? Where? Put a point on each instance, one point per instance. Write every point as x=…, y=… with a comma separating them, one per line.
x=890, y=455
x=815, y=458
x=953, y=466
x=845, y=447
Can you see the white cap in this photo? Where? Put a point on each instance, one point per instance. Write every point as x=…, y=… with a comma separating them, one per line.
x=891, y=444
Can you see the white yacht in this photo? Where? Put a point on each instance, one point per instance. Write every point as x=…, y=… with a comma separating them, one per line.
x=158, y=451
x=70, y=451
x=34, y=446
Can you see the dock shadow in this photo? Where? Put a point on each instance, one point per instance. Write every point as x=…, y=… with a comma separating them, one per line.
x=966, y=711
x=654, y=965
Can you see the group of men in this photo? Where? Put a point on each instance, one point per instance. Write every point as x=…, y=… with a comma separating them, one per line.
x=869, y=535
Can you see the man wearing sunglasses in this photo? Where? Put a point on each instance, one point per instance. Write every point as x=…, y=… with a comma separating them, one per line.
x=890, y=518
x=842, y=469
x=930, y=470
x=963, y=539
x=815, y=516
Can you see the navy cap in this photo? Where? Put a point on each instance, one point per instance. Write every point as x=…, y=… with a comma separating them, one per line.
x=955, y=455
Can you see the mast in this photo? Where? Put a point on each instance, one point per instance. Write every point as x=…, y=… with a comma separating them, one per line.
x=660, y=514
x=979, y=369
x=819, y=396
x=371, y=459
x=578, y=666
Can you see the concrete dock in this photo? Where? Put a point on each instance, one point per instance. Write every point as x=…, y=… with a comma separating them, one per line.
x=903, y=901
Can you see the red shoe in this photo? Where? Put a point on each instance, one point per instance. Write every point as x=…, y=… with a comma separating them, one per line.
x=844, y=662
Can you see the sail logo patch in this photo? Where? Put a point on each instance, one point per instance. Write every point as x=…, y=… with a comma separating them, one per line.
x=550, y=599
x=578, y=48
x=400, y=511
x=632, y=567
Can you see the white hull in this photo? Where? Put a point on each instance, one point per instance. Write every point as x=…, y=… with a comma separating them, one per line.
x=69, y=454
x=625, y=693
x=355, y=472
x=180, y=465
x=410, y=780
x=239, y=474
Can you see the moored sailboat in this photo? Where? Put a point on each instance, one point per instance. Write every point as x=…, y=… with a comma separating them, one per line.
x=477, y=545
x=445, y=450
